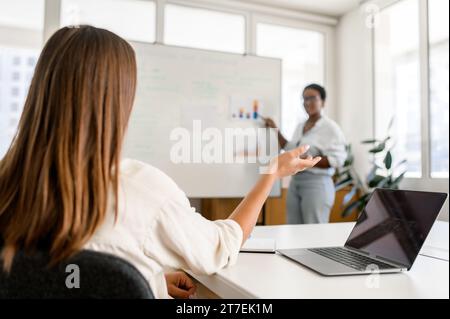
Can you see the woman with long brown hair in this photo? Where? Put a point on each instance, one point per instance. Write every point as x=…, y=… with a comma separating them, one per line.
x=64, y=186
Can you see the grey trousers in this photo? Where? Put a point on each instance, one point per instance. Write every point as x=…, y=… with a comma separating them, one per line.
x=309, y=199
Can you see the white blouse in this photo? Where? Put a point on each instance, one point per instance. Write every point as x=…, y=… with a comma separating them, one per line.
x=325, y=138
x=157, y=230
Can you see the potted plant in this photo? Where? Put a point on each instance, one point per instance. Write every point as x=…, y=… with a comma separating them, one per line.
x=384, y=174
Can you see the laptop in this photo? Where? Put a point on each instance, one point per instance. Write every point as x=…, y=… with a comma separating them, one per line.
x=386, y=238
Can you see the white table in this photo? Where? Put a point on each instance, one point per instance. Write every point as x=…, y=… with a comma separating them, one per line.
x=258, y=275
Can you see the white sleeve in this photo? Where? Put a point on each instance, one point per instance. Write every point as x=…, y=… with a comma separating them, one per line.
x=180, y=238
x=335, y=150
x=292, y=143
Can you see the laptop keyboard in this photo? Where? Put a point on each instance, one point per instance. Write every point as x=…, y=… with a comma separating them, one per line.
x=349, y=258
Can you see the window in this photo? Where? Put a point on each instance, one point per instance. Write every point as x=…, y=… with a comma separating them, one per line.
x=397, y=82
x=302, y=54
x=21, y=28
x=131, y=19
x=439, y=86
x=204, y=29
x=22, y=14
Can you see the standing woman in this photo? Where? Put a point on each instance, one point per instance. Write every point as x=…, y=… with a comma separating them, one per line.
x=311, y=193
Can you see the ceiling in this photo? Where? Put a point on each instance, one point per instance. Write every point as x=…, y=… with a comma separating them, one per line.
x=333, y=8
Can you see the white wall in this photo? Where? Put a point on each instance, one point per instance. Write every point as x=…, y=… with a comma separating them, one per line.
x=354, y=84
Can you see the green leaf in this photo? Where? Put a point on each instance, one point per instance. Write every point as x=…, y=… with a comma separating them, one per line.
x=349, y=161
x=379, y=148
x=375, y=180
x=371, y=141
x=362, y=205
x=388, y=160
x=397, y=181
x=350, y=208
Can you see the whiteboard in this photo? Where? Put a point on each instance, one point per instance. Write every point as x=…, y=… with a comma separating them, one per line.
x=179, y=85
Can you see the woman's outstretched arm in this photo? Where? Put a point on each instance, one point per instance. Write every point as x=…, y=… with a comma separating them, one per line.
x=288, y=163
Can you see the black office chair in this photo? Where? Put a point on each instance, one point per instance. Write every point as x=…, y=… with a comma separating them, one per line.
x=101, y=275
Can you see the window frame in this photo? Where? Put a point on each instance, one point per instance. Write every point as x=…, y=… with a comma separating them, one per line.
x=207, y=7
x=56, y=10
x=387, y=5
x=425, y=17
x=426, y=181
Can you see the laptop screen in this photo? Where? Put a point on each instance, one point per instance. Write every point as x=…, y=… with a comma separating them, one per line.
x=395, y=223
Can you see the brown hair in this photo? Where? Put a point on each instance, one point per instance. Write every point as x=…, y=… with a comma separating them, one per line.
x=64, y=160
